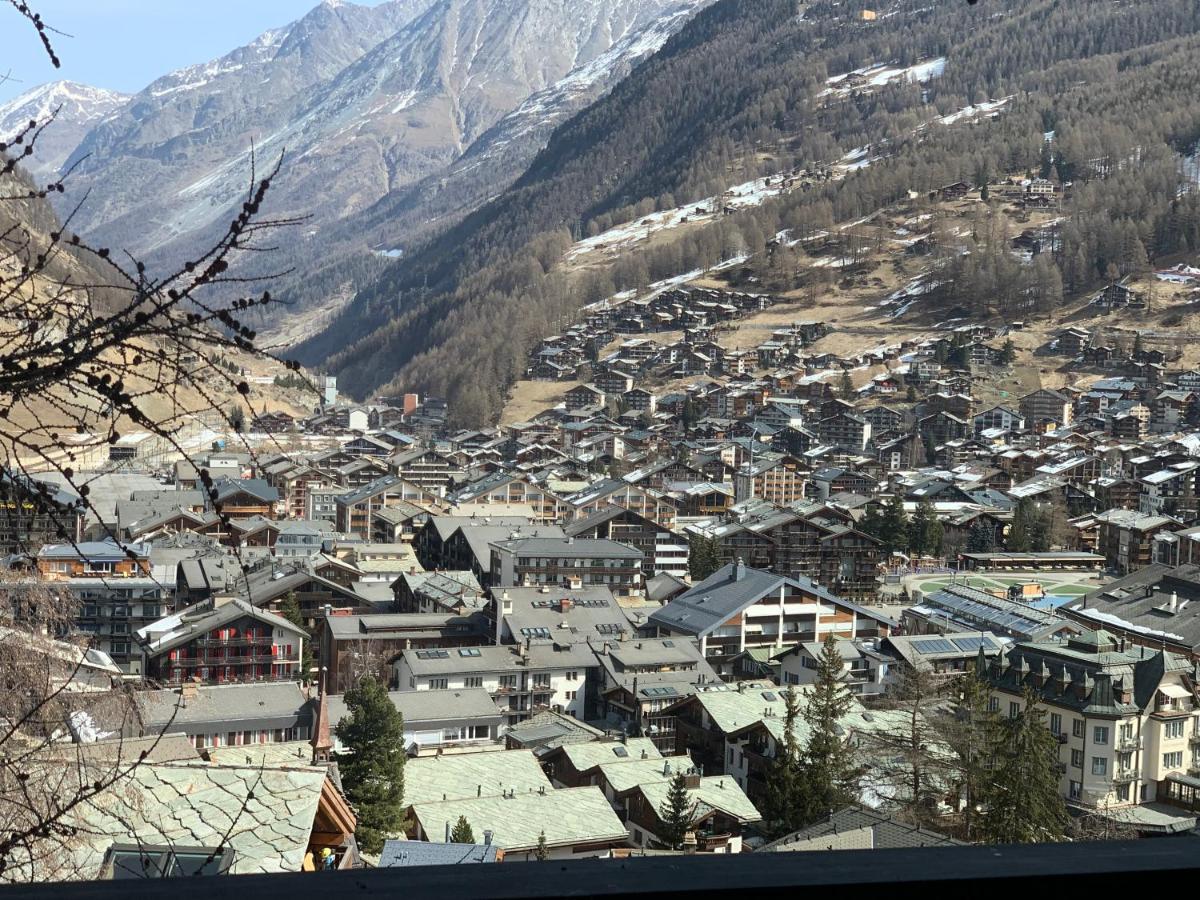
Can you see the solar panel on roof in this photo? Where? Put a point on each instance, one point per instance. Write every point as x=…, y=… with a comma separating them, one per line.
x=769, y=696
x=967, y=645
x=935, y=645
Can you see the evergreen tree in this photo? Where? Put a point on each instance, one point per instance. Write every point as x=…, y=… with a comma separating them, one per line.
x=703, y=558
x=784, y=801
x=828, y=775
x=1022, y=804
x=1019, y=538
x=981, y=538
x=237, y=419
x=541, y=853
x=893, y=533
x=290, y=609
x=846, y=386
x=462, y=833
x=1008, y=354
x=925, y=530
x=676, y=813
x=972, y=735
x=372, y=766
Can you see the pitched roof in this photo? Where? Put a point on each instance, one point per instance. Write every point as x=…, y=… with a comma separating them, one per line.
x=567, y=817
x=432, y=779
x=858, y=828
x=264, y=814
x=400, y=854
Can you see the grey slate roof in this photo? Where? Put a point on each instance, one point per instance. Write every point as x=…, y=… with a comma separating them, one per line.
x=268, y=701
x=731, y=589
x=399, y=854
x=885, y=834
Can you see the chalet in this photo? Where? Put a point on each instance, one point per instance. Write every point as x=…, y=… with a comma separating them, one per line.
x=738, y=607
x=224, y=641
x=584, y=396
x=1119, y=295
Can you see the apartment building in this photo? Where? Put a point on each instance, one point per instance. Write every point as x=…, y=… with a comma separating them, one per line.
x=739, y=608
x=1125, y=717
x=566, y=561
x=523, y=679
x=222, y=641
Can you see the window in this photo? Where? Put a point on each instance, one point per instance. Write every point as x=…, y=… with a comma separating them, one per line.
x=1173, y=760
x=993, y=704
x=166, y=862
x=1014, y=710
x=1076, y=790
x=1173, y=729
x=508, y=681
x=1077, y=759
x=1099, y=765
x=1100, y=735
x=473, y=681
x=572, y=676
x=437, y=684
x=1123, y=792
x=1077, y=727
x=1055, y=723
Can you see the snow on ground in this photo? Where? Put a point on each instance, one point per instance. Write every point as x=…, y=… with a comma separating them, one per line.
x=741, y=196
x=973, y=112
x=880, y=74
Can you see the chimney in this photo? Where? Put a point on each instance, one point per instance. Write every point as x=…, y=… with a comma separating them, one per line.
x=692, y=780
x=739, y=570
x=689, y=842
x=487, y=837
x=447, y=831
x=565, y=604
x=506, y=605
x=188, y=691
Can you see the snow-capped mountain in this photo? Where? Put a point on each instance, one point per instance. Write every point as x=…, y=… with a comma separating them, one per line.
x=365, y=102
x=80, y=107
x=499, y=155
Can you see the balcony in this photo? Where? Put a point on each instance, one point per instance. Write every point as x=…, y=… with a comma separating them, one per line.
x=1125, y=776
x=1129, y=744
x=1194, y=740
x=243, y=641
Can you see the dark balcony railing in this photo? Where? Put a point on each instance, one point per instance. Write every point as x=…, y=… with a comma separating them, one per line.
x=1129, y=744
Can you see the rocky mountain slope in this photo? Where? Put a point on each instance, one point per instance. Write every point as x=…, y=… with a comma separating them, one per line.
x=363, y=101
x=778, y=88
x=78, y=109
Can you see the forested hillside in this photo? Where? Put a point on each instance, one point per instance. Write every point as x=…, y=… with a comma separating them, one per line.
x=1098, y=92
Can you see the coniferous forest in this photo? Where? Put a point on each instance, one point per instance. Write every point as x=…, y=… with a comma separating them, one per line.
x=1114, y=83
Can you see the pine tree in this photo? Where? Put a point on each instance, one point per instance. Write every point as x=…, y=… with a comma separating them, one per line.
x=542, y=852
x=290, y=609
x=462, y=833
x=237, y=419
x=1022, y=804
x=1019, y=538
x=981, y=538
x=1008, y=354
x=784, y=797
x=372, y=766
x=829, y=776
x=972, y=734
x=676, y=813
x=925, y=530
x=894, y=525
x=846, y=386
x=703, y=558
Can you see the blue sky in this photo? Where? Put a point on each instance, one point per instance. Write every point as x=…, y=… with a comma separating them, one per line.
x=126, y=44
